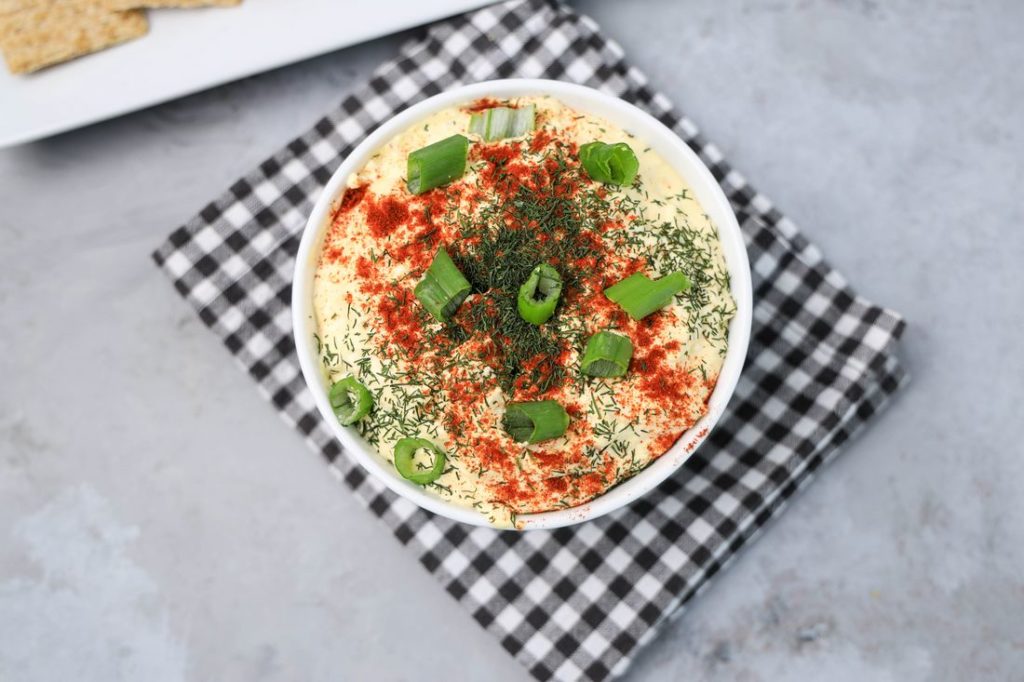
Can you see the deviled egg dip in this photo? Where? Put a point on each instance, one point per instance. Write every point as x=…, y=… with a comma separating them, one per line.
x=520, y=305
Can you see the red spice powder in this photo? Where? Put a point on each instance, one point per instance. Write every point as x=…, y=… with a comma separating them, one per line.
x=603, y=312
x=398, y=318
x=541, y=138
x=701, y=435
x=395, y=307
x=590, y=485
x=537, y=370
x=551, y=461
x=333, y=249
x=487, y=103
x=504, y=170
x=353, y=195
x=661, y=381
x=494, y=454
x=665, y=441
x=558, y=484
x=331, y=254
x=416, y=243
x=497, y=154
x=512, y=494
x=365, y=268
x=385, y=215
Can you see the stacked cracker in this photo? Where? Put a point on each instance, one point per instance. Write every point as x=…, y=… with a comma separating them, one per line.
x=37, y=33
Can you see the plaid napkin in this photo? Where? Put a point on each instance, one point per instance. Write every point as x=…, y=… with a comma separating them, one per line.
x=577, y=602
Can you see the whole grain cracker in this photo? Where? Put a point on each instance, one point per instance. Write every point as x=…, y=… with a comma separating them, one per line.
x=135, y=4
x=49, y=32
x=9, y=6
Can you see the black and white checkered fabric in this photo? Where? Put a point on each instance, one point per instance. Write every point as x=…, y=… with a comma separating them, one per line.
x=575, y=603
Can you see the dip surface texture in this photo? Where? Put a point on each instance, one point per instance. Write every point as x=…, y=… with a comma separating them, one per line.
x=521, y=202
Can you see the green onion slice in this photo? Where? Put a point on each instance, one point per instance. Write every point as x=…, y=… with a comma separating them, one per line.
x=614, y=164
x=607, y=355
x=502, y=122
x=405, y=460
x=437, y=164
x=538, y=296
x=532, y=422
x=443, y=288
x=350, y=400
x=640, y=296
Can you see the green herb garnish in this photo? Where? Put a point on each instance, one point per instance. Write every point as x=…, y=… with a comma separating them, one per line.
x=405, y=463
x=640, y=296
x=613, y=164
x=538, y=296
x=607, y=355
x=443, y=288
x=502, y=122
x=437, y=164
x=350, y=400
x=532, y=422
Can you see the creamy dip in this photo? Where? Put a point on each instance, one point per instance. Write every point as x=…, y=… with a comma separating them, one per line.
x=521, y=202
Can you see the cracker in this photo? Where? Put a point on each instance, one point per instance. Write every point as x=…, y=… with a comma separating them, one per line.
x=135, y=4
x=10, y=6
x=45, y=33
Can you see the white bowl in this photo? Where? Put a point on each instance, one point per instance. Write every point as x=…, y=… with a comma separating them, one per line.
x=646, y=128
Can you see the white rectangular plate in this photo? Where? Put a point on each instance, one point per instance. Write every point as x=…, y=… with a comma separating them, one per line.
x=188, y=50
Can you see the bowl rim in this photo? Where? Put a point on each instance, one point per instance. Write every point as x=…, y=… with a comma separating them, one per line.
x=673, y=150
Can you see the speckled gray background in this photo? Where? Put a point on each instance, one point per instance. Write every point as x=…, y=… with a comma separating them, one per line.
x=158, y=522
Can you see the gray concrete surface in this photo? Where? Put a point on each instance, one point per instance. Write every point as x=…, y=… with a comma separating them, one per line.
x=157, y=521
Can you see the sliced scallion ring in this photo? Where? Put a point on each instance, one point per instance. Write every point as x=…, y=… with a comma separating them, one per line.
x=437, y=164
x=607, y=355
x=538, y=296
x=640, y=296
x=502, y=122
x=532, y=422
x=405, y=460
x=443, y=288
x=613, y=164
x=350, y=400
